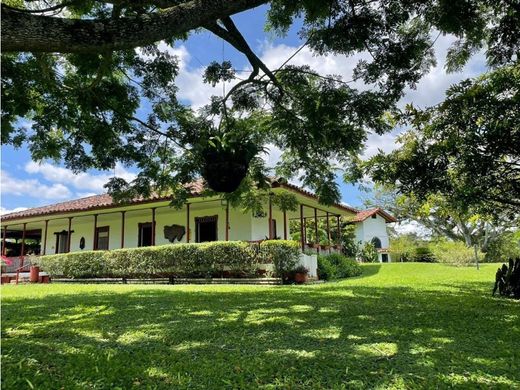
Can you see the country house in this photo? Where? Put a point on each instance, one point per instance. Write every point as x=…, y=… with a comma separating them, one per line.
x=97, y=223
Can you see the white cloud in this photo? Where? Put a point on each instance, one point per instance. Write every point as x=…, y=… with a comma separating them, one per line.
x=189, y=82
x=411, y=227
x=3, y=210
x=93, y=183
x=33, y=188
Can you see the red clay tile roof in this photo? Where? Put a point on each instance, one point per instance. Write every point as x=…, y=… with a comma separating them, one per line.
x=283, y=184
x=89, y=203
x=105, y=201
x=362, y=215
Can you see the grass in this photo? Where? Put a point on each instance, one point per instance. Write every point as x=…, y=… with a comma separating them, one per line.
x=398, y=326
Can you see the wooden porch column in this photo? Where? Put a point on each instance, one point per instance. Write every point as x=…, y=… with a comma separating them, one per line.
x=187, y=222
x=22, y=257
x=4, y=251
x=68, y=235
x=153, y=226
x=270, y=217
x=45, y=237
x=316, y=229
x=302, y=229
x=284, y=225
x=123, y=229
x=94, y=243
x=328, y=230
x=227, y=221
x=22, y=253
x=339, y=232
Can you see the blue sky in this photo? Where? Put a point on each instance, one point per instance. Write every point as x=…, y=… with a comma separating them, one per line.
x=29, y=184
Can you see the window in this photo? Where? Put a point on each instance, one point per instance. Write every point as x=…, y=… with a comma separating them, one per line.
x=145, y=234
x=384, y=258
x=377, y=242
x=374, y=216
x=206, y=228
x=62, y=241
x=101, y=240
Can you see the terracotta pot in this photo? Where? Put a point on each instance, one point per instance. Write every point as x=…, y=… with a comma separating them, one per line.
x=300, y=277
x=34, y=274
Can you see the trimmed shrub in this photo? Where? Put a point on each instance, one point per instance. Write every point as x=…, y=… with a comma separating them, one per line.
x=89, y=264
x=283, y=254
x=337, y=266
x=423, y=254
x=326, y=270
x=217, y=259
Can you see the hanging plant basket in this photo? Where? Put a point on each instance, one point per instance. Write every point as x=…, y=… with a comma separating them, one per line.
x=224, y=170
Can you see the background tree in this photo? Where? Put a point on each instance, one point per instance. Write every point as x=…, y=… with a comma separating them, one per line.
x=72, y=70
x=489, y=233
x=466, y=149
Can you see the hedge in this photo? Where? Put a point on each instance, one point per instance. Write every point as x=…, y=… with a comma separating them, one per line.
x=217, y=259
x=337, y=266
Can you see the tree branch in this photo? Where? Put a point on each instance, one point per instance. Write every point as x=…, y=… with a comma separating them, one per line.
x=39, y=33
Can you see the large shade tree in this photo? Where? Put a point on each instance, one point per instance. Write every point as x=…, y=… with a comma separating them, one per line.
x=78, y=71
x=465, y=150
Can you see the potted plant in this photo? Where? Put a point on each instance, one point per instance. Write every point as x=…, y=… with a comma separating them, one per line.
x=324, y=245
x=225, y=154
x=312, y=245
x=300, y=274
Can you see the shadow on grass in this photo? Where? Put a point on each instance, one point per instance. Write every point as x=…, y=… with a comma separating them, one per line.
x=314, y=337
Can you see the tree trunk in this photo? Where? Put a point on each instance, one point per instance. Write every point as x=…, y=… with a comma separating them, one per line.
x=36, y=33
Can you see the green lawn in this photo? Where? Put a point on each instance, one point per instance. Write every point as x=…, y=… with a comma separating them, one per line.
x=397, y=326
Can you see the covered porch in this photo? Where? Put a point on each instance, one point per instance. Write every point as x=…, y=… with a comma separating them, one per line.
x=316, y=227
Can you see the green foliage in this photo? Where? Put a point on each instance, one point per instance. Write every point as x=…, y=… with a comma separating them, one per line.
x=423, y=254
x=403, y=246
x=88, y=264
x=179, y=260
x=452, y=252
x=216, y=72
x=84, y=108
x=347, y=236
x=367, y=253
x=326, y=270
x=337, y=266
x=507, y=279
x=464, y=149
x=506, y=246
x=283, y=254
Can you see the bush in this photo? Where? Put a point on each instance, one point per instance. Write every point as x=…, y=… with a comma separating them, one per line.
x=87, y=264
x=283, y=254
x=507, y=280
x=234, y=258
x=506, y=246
x=337, y=266
x=326, y=271
x=404, y=256
x=367, y=253
x=423, y=254
x=453, y=252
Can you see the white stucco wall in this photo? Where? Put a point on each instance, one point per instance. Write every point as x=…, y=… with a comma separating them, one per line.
x=242, y=226
x=373, y=227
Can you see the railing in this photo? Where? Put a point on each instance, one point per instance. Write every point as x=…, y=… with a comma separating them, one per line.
x=19, y=269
